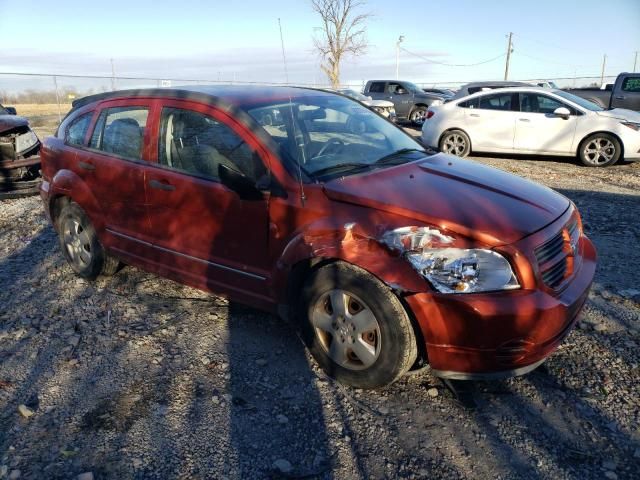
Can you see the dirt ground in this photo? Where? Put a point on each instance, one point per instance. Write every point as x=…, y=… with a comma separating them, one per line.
x=134, y=376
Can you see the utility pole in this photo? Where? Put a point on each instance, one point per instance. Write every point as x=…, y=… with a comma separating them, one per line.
x=113, y=76
x=509, y=50
x=400, y=40
x=635, y=61
x=604, y=64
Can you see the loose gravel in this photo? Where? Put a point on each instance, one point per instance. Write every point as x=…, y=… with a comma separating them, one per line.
x=134, y=376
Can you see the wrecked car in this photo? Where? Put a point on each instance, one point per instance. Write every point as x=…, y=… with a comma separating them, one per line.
x=389, y=256
x=19, y=155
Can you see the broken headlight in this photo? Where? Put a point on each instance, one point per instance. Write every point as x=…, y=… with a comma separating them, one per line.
x=25, y=141
x=457, y=270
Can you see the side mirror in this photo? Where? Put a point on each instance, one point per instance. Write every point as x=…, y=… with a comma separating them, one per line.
x=11, y=110
x=239, y=183
x=562, y=112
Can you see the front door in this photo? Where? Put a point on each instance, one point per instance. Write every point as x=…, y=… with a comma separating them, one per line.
x=203, y=233
x=539, y=130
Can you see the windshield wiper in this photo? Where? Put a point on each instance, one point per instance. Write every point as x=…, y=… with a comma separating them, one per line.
x=340, y=166
x=402, y=151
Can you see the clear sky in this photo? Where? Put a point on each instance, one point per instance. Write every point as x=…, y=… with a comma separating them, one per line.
x=240, y=39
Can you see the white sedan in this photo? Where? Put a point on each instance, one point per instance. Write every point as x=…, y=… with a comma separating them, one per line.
x=533, y=120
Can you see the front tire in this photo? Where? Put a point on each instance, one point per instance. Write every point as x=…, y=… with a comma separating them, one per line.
x=80, y=245
x=599, y=150
x=355, y=327
x=455, y=142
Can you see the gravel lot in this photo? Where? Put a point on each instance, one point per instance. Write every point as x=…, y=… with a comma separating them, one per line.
x=138, y=377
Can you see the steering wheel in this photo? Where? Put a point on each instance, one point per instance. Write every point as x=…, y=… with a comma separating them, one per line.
x=333, y=142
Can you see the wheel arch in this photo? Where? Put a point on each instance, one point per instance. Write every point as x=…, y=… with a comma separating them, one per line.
x=616, y=136
x=302, y=270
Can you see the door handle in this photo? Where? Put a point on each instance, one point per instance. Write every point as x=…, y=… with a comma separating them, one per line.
x=621, y=97
x=158, y=185
x=86, y=166
x=524, y=119
x=474, y=114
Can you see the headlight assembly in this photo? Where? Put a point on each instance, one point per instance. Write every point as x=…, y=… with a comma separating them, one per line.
x=632, y=125
x=26, y=141
x=450, y=269
x=457, y=270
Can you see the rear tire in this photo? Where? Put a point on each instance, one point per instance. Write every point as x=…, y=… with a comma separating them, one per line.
x=455, y=142
x=599, y=150
x=355, y=327
x=80, y=245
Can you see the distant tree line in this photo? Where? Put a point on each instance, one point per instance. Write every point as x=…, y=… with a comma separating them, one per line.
x=65, y=94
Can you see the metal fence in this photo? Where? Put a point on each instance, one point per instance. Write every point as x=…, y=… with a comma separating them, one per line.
x=61, y=90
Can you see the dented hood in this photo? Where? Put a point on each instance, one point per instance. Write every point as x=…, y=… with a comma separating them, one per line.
x=9, y=122
x=621, y=114
x=461, y=196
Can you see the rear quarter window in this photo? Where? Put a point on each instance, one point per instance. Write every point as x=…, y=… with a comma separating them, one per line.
x=77, y=129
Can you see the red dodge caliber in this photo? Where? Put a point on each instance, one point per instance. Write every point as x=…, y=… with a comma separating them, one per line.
x=307, y=204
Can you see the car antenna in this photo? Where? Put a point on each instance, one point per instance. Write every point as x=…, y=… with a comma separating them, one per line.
x=303, y=198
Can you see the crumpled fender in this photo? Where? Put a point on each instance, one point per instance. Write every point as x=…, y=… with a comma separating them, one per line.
x=330, y=239
x=69, y=184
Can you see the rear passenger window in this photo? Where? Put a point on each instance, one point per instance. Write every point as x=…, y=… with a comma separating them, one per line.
x=198, y=144
x=120, y=131
x=377, y=87
x=498, y=101
x=77, y=130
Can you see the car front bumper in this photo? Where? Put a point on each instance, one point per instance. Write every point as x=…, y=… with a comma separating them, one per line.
x=501, y=334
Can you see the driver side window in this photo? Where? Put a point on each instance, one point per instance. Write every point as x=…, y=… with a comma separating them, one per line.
x=197, y=144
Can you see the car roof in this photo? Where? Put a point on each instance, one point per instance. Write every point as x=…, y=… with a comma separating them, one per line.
x=232, y=95
x=497, y=91
x=497, y=82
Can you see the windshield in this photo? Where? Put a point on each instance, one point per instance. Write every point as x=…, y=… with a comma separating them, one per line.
x=330, y=135
x=579, y=101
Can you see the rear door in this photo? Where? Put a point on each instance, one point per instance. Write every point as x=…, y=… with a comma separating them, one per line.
x=539, y=130
x=626, y=94
x=113, y=165
x=490, y=121
x=204, y=234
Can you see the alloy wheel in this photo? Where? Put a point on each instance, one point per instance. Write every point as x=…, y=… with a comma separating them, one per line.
x=418, y=116
x=347, y=329
x=599, y=151
x=455, y=144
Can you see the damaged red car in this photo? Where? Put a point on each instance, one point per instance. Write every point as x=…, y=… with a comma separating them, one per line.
x=307, y=204
x=19, y=156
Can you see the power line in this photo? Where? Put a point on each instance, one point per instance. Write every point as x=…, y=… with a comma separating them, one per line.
x=452, y=64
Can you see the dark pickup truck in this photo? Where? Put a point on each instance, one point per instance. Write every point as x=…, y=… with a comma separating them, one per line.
x=624, y=94
x=410, y=101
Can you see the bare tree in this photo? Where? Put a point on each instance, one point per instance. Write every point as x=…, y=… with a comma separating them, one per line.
x=343, y=34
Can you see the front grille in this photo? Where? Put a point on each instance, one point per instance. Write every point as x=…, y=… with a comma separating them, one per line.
x=553, y=255
x=554, y=275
